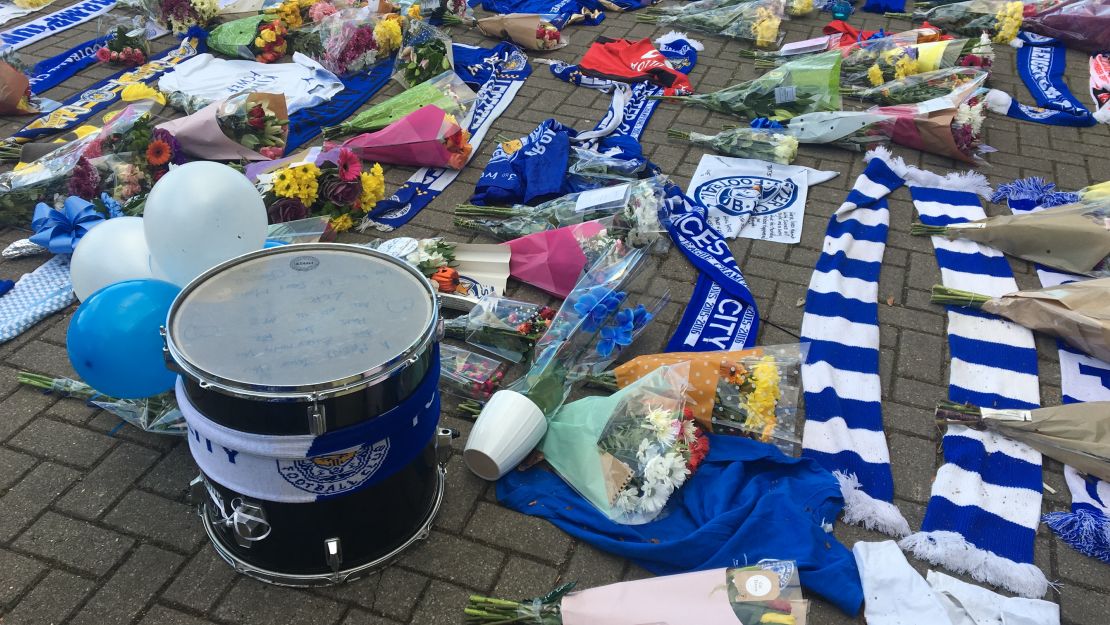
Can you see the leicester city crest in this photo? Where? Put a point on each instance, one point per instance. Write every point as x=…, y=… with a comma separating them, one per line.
x=747, y=195
x=336, y=473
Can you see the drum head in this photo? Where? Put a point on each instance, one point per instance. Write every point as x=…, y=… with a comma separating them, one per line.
x=301, y=318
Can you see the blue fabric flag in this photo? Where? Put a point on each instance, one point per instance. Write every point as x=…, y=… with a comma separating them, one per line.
x=747, y=502
x=558, y=12
x=521, y=172
x=306, y=123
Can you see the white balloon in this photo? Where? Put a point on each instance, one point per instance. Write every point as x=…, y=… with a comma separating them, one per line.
x=199, y=215
x=113, y=251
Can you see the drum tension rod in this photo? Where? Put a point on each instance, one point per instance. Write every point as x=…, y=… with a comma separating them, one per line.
x=317, y=417
x=333, y=551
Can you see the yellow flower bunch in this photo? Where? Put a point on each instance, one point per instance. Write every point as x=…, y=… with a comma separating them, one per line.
x=299, y=182
x=766, y=27
x=373, y=187
x=875, y=75
x=1008, y=21
x=762, y=401
x=414, y=11
x=388, y=34
x=342, y=223
x=905, y=66
x=289, y=13
x=265, y=37
x=799, y=8
x=31, y=4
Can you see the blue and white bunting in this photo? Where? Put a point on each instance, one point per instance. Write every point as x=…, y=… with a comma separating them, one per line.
x=843, y=394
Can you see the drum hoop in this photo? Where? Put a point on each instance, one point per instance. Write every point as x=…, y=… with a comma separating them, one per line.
x=324, y=579
x=308, y=392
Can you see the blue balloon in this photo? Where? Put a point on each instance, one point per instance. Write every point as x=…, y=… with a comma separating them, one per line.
x=273, y=243
x=114, y=342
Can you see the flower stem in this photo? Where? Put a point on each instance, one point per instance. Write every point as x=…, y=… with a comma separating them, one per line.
x=919, y=229
x=897, y=14
x=473, y=210
x=678, y=134
x=471, y=407
x=954, y=297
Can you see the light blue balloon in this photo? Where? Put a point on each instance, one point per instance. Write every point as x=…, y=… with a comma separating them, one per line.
x=114, y=342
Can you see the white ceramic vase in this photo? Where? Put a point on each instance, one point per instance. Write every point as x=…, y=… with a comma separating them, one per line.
x=509, y=427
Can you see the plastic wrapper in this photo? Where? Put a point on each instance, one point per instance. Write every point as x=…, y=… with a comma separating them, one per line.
x=893, y=58
x=424, y=54
x=308, y=230
x=15, y=92
x=768, y=592
x=766, y=145
x=1080, y=24
x=858, y=131
x=350, y=41
x=506, y=327
x=446, y=91
x=251, y=126
x=628, y=453
x=752, y=393
x=468, y=375
x=757, y=21
x=1002, y=19
x=427, y=137
x=181, y=15
x=804, y=85
x=919, y=87
x=261, y=38
x=337, y=185
x=529, y=31
x=949, y=126
x=158, y=414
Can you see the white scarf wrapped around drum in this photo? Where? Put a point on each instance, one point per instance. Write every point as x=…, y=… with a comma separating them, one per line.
x=309, y=381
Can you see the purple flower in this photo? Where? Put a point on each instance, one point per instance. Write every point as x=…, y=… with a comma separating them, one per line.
x=177, y=156
x=340, y=192
x=286, y=209
x=84, y=180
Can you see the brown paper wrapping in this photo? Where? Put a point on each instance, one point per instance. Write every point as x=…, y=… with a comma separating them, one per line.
x=1062, y=238
x=520, y=28
x=13, y=86
x=617, y=475
x=706, y=369
x=1077, y=313
x=1074, y=434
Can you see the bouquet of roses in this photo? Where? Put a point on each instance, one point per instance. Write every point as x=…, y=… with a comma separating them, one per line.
x=181, y=15
x=446, y=91
x=919, y=87
x=424, y=54
x=427, y=137
x=336, y=186
x=757, y=21
x=250, y=126
x=158, y=414
x=259, y=38
x=468, y=375
x=751, y=393
x=350, y=41
x=949, y=126
x=502, y=326
x=528, y=30
x=1000, y=18
x=124, y=49
x=764, y=144
x=804, y=85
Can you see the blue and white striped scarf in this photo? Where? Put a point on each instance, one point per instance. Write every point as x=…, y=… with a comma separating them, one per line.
x=843, y=395
x=1082, y=378
x=986, y=499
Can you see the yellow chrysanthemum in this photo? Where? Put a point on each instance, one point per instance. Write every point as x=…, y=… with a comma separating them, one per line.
x=762, y=401
x=373, y=187
x=290, y=14
x=414, y=11
x=1008, y=22
x=904, y=66
x=875, y=75
x=388, y=35
x=342, y=223
x=299, y=182
x=765, y=28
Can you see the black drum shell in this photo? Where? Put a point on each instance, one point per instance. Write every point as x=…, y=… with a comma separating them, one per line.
x=291, y=418
x=370, y=523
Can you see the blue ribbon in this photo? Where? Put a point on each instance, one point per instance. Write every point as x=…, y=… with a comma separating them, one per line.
x=60, y=230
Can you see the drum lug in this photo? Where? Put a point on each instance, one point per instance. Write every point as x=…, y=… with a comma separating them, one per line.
x=443, y=444
x=198, y=493
x=249, y=523
x=317, y=418
x=171, y=364
x=333, y=552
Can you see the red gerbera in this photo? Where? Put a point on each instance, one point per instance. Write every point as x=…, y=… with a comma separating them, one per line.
x=158, y=153
x=349, y=165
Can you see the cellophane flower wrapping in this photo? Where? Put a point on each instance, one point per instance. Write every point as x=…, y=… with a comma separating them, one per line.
x=873, y=62
x=628, y=453
x=158, y=414
x=1080, y=24
x=256, y=38
x=446, y=91
x=425, y=52
x=499, y=325
x=857, y=131
x=181, y=15
x=528, y=30
x=257, y=121
x=767, y=145
x=126, y=27
x=15, y=92
x=468, y=375
x=921, y=87
x=427, y=137
x=758, y=21
x=948, y=126
x=350, y=41
x=1002, y=19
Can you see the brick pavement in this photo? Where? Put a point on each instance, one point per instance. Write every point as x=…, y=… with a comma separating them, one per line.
x=93, y=525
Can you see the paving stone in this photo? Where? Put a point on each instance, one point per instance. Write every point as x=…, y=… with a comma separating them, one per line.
x=74, y=543
x=1081, y=569
x=1080, y=606
x=443, y=604
x=158, y=519
x=524, y=579
x=528, y=535
x=172, y=475
x=42, y=357
x=159, y=615
x=12, y=466
x=62, y=442
x=455, y=559
x=592, y=567
x=461, y=490
x=54, y=598
x=16, y=574
x=130, y=588
x=910, y=457
x=92, y=496
x=19, y=408
x=251, y=602
x=398, y=592
x=362, y=617
x=201, y=582
x=32, y=495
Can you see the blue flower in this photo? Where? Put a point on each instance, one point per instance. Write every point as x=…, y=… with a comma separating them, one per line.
x=110, y=203
x=621, y=331
x=596, y=305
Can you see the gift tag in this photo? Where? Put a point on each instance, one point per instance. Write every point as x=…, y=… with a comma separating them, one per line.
x=756, y=585
x=399, y=247
x=784, y=95
x=606, y=197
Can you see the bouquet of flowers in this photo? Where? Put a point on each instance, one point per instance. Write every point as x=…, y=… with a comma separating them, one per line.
x=919, y=87
x=858, y=131
x=158, y=414
x=1000, y=18
x=764, y=144
x=250, y=126
x=181, y=15
x=757, y=21
x=124, y=49
x=628, y=453
x=1080, y=24
x=764, y=593
x=427, y=255
x=294, y=13
x=425, y=53
x=336, y=186
x=446, y=91
x=427, y=137
x=15, y=92
x=528, y=30
x=689, y=8
x=350, y=41
x=134, y=158
x=259, y=38
x=804, y=85
x=1075, y=313
x=886, y=60
x=1072, y=238
x=468, y=375
x=502, y=326
x=949, y=126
